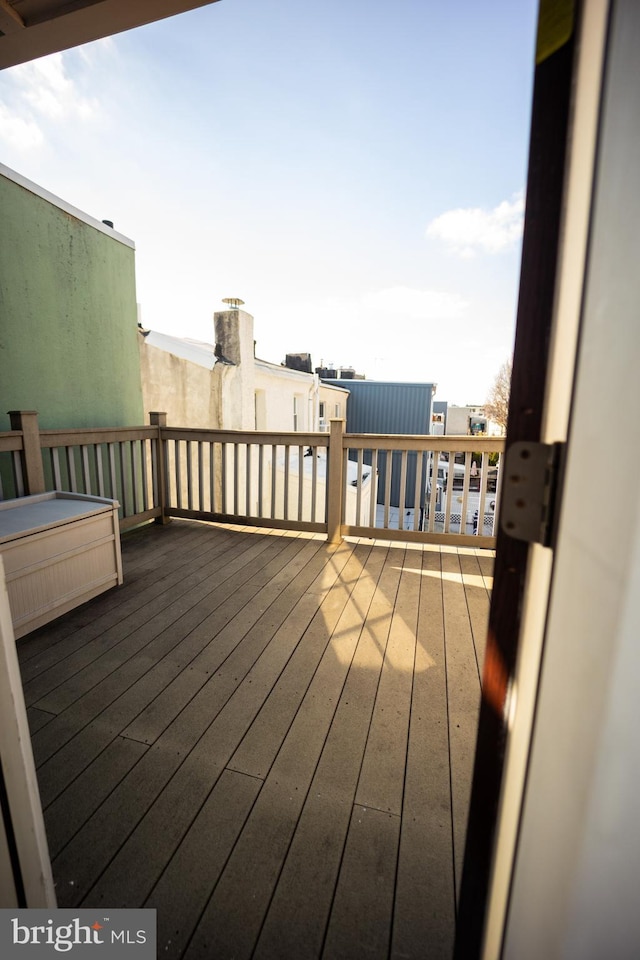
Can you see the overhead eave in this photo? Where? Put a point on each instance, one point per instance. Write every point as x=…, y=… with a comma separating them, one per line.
x=35, y=28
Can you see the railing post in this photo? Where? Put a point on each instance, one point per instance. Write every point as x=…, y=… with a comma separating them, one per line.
x=335, y=491
x=32, y=471
x=159, y=420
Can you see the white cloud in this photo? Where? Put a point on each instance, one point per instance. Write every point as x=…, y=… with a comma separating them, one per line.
x=49, y=90
x=41, y=93
x=470, y=230
x=91, y=53
x=412, y=304
x=23, y=134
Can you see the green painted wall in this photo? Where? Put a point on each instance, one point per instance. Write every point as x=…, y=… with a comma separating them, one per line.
x=68, y=321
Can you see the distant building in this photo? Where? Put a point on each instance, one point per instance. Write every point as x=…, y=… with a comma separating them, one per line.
x=439, y=417
x=68, y=294
x=470, y=421
x=226, y=387
x=337, y=373
x=388, y=407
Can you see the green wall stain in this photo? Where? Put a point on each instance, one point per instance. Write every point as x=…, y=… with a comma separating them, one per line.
x=68, y=323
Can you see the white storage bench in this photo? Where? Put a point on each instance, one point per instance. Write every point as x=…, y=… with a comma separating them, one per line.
x=59, y=550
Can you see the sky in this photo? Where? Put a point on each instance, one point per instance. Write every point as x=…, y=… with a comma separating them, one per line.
x=354, y=170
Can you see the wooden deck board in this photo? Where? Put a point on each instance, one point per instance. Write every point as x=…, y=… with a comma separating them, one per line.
x=267, y=738
x=298, y=914
x=200, y=857
x=256, y=752
x=244, y=891
x=170, y=816
x=153, y=640
x=94, y=661
x=424, y=906
x=360, y=923
x=381, y=783
x=43, y=648
x=463, y=696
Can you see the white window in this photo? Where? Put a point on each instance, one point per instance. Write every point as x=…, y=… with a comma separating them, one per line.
x=298, y=408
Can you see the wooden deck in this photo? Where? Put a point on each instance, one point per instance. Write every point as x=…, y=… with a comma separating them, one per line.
x=266, y=738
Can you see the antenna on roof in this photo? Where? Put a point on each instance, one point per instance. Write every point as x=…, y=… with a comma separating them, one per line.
x=234, y=302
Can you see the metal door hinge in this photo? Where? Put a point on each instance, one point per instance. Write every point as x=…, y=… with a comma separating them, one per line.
x=530, y=483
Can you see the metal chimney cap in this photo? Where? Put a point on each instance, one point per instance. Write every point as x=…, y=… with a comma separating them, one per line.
x=234, y=302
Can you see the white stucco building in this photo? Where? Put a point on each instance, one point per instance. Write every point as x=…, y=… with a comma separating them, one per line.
x=234, y=390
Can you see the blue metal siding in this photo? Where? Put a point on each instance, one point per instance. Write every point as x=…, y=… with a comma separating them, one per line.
x=390, y=407
x=387, y=407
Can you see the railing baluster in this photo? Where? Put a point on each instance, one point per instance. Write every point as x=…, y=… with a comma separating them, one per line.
x=482, y=498
x=135, y=475
x=465, y=491
x=170, y=474
x=123, y=477
x=55, y=468
x=402, y=496
x=359, y=486
x=373, y=497
x=497, y=494
x=112, y=472
x=451, y=479
x=236, y=478
x=314, y=484
x=260, y=478
x=189, y=446
x=417, y=482
x=71, y=468
x=18, y=479
x=300, y=480
x=86, y=473
x=200, y=475
x=433, y=491
x=387, y=488
x=97, y=450
x=177, y=466
x=286, y=481
x=247, y=453
x=155, y=466
x=212, y=487
x=273, y=480
x=144, y=454
x=223, y=447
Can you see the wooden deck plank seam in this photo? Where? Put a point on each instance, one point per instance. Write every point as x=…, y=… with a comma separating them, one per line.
x=406, y=767
x=449, y=720
x=104, y=654
x=311, y=777
x=44, y=639
x=221, y=771
x=184, y=759
x=353, y=805
x=133, y=601
x=319, y=658
x=108, y=864
x=122, y=693
x=213, y=640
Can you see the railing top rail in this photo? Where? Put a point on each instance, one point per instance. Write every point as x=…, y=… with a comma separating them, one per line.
x=376, y=441
x=11, y=440
x=85, y=435
x=281, y=438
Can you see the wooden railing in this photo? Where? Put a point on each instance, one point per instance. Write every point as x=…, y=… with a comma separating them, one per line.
x=438, y=489
x=120, y=463
x=433, y=489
